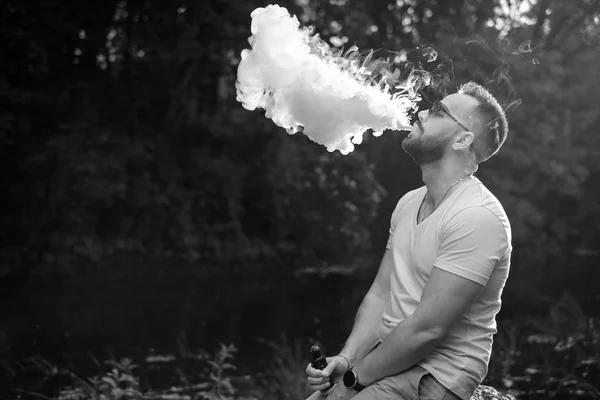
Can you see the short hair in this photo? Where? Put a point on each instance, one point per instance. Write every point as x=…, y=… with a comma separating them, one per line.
x=495, y=125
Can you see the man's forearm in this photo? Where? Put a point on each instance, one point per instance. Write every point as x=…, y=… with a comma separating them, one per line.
x=407, y=344
x=364, y=332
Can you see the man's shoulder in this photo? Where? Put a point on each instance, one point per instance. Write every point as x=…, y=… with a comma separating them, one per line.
x=409, y=198
x=478, y=202
x=412, y=194
x=477, y=194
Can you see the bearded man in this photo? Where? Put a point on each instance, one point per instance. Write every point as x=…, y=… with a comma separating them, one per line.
x=424, y=329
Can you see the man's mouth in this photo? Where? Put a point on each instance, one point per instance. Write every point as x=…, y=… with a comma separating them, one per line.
x=416, y=127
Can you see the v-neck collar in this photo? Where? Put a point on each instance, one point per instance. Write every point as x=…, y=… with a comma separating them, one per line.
x=422, y=203
x=416, y=217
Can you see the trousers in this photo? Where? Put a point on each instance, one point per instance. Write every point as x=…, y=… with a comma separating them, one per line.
x=415, y=383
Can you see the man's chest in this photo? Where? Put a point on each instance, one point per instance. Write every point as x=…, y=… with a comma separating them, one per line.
x=417, y=244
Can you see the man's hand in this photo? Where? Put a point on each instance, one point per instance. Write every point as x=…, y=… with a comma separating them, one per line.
x=319, y=380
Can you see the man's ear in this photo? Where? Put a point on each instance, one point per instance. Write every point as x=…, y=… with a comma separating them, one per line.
x=463, y=140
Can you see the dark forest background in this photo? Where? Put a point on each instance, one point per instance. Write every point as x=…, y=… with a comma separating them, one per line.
x=145, y=212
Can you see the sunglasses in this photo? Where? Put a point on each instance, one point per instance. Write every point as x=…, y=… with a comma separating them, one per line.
x=438, y=109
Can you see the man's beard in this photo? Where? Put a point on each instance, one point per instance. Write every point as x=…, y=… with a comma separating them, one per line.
x=425, y=150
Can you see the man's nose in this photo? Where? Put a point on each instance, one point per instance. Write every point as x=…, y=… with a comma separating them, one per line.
x=422, y=114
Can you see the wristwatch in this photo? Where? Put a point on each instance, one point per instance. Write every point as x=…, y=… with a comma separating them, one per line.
x=350, y=380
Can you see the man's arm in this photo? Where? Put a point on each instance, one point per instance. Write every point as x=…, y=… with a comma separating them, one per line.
x=445, y=298
x=470, y=247
x=368, y=318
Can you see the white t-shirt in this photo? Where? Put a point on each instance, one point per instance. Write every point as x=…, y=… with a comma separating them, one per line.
x=469, y=235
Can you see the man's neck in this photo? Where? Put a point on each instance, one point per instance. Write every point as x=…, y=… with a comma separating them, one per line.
x=439, y=177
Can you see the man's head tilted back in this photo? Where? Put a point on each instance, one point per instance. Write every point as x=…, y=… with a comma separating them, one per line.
x=469, y=124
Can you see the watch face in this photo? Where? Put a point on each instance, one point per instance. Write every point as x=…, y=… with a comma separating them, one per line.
x=349, y=378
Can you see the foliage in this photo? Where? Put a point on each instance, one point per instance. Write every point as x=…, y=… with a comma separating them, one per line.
x=551, y=357
x=554, y=357
x=127, y=141
x=222, y=389
x=121, y=381
x=285, y=376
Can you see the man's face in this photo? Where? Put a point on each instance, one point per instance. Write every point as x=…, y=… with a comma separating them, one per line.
x=437, y=127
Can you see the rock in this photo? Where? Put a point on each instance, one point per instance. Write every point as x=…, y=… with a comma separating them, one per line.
x=489, y=393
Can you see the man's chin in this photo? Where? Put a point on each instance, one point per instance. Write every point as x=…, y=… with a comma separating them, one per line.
x=409, y=143
x=407, y=149
x=411, y=148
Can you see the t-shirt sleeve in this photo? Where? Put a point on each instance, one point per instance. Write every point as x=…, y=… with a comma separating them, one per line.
x=471, y=244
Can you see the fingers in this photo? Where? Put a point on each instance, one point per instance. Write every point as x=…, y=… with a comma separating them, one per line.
x=316, y=374
x=319, y=383
x=334, y=362
x=323, y=386
x=317, y=379
x=311, y=371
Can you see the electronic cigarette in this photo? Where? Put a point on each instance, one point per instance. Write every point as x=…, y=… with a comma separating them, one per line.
x=318, y=361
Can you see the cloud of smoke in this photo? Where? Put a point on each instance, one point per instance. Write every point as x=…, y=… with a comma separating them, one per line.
x=330, y=96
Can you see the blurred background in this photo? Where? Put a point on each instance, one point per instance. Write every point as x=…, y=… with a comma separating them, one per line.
x=159, y=240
